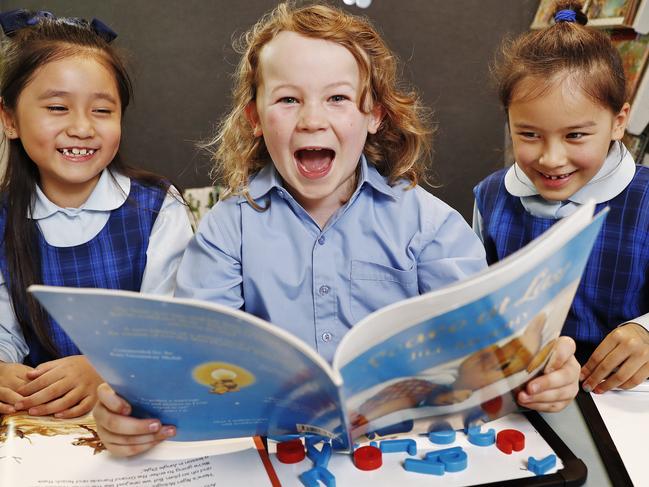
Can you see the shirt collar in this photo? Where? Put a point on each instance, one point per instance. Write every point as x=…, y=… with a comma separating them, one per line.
x=111, y=191
x=268, y=178
x=613, y=177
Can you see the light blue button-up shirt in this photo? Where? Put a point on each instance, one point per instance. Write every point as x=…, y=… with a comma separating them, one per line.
x=384, y=245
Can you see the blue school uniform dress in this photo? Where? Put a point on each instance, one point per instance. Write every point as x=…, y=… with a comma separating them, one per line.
x=387, y=243
x=614, y=288
x=112, y=255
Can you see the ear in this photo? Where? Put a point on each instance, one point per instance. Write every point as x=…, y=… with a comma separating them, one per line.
x=376, y=117
x=619, y=122
x=8, y=122
x=253, y=118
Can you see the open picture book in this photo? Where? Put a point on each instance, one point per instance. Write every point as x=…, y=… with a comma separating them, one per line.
x=443, y=359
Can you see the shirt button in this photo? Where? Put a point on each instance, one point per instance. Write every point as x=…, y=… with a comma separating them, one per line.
x=280, y=193
x=326, y=336
x=323, y=290
x=321, y=240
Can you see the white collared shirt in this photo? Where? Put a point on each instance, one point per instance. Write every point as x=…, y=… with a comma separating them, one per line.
x=67, y=227
x=614, y=176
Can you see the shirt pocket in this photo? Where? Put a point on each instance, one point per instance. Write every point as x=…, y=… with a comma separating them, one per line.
x=374, y=286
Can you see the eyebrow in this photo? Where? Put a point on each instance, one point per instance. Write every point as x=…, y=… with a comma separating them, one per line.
x=335, y=84
x=525, y=126
x=100, y=95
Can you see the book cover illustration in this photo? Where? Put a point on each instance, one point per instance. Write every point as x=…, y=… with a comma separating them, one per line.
x=466, y=364
x=43, y=450
x=456, y=354
x=211, y=374
x=22, y=427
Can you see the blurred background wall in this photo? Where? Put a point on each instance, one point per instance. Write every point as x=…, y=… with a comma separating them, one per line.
x=181, y=60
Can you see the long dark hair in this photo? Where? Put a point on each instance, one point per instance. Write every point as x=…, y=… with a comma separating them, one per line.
x=22, y=55
x=564, y=47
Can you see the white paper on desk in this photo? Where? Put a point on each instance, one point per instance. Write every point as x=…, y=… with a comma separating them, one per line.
x=485, y=464
x=38, y=452
x=626, y=416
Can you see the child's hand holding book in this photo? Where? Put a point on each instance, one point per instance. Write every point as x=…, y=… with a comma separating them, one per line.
x=558, y=385
x=122, y=434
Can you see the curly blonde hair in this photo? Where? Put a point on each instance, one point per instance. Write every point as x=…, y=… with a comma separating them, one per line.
x=402, y=145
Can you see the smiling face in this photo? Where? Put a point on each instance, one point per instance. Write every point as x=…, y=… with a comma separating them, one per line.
x=307, y=110
x=68, y=119
x=561, y=137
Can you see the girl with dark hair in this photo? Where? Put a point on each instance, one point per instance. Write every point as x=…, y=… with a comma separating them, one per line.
x=564, y=92
x=71, y=212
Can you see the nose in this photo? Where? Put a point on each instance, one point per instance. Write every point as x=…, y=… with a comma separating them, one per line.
x=553, y=155
x=312, y=118
x=80, y=126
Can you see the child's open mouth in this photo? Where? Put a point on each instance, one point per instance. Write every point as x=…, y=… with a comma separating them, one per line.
x=314, y=162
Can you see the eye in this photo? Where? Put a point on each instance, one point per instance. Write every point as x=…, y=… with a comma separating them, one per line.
x=575, y=135
x=103, y=111
x=528, y=135
x=289, y=100
x=338, y=98
x=56, y=108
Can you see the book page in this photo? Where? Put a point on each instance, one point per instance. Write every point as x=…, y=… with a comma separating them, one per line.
x=211, y=371
x=36, y=452
x=454, y=355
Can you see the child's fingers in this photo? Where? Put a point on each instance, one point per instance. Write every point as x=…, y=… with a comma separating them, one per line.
x=562, y=384
x=58, y=403
x=126, y=446
x=43, y=381
x=6, y=408
x=603, y=349
x=119, y=424
x=563, y=351
x=621, y=375
x=40, y=370
x=111, y=401
x=126, y=436
x=9, y=396
x=50, y=393
x=638, y=378
x=111, y=437
x=565, y=392
x=608, y=368
x=82, y=407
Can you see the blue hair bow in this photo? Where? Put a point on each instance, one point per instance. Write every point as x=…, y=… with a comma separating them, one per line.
x=103, y=31
x=14, y=20
x=565, y=16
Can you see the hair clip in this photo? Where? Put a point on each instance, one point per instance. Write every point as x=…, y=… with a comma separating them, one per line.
x=103, y=31
x=565, y=16
x=40, y=15
x=15, y=20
